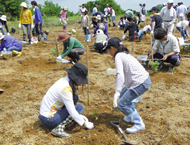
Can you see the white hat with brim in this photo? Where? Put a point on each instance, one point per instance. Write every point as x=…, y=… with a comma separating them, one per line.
x=65, y=8
x=170, y=1
x=4, y=18
x=98, y=17
x=1, y=36
x=23, y=4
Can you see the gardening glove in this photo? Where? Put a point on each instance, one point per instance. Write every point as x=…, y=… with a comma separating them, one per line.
x=60, y=20
x=19, y=25
x=151, y=33
x=116, y=96
x=87, y=124
x=59, y=57
x=33, y=25
x=93, y=35
x=67, y=19
x=8, y=34
x=87, y=27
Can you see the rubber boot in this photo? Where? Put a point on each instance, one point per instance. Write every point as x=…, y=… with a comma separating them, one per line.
x=16, y=53
x=64, y=28
x=89, y=38
x=135, y=119
x=171, y=68
x=39, y=37
x=86, y=36
x=45, y=36
x=59, y=129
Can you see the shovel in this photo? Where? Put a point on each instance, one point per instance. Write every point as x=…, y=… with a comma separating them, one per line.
x=1, y=91
x=116, y=124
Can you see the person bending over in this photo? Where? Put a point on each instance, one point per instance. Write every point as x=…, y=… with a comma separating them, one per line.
x=59, y=105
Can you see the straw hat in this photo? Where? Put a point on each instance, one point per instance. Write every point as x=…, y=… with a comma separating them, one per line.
x=62, y=37
x=65, y=8
x=23, y=4
x=4, y=18
x=1, y=36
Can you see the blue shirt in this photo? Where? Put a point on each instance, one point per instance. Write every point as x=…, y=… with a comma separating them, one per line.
x=38, y=15
x=94, y=10
x=181, y=9
x=9, y=41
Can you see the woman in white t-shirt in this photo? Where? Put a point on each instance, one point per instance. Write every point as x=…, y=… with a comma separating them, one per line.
x=132, y=81
x=59, y=108
x=113, y=16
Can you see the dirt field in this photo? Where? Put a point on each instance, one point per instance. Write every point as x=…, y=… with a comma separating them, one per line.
x=164, y=109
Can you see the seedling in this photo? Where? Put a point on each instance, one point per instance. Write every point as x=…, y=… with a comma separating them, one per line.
x=53, y=52
x=186, y=47
x=77, y=33
x=154, y=65
x=94, y=115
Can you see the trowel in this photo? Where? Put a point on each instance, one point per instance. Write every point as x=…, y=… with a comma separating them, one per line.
x=126, y=141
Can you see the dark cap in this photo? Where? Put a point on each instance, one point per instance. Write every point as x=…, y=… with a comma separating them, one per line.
x=154, y=9
x=121, y=18
x=78, y=73
x=115, y=42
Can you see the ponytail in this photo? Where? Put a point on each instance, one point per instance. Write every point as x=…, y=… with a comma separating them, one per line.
x=122, y=48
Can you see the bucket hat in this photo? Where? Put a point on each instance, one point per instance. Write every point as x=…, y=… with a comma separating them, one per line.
x=98, y=17
x=62, y=37
x=23, y=4
x=65, y=8
x=1, y=36
x=4, y=18
x=170, y=1
x=78, y=73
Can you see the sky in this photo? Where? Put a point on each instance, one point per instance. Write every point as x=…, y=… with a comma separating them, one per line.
x=73, y=5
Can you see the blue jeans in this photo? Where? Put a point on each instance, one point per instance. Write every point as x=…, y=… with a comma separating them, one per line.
x=59, y=117
x=113, y=19
x=128, y=95
x=182, y=32
x=13, y=48
x=2, y=30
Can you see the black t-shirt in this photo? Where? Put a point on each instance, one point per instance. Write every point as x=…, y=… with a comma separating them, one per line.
x=132, y=28
x=158, y=21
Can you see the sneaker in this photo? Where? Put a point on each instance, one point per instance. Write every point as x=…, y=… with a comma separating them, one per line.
x=59, y=133
x=64, y=30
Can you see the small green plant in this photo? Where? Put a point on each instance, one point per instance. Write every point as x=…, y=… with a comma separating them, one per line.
x=94, y=115
x=77, y=33
x=154, y=65
x=186, y=47
x=53, y=52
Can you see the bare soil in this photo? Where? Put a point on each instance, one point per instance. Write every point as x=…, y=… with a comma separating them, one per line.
x=164, y=109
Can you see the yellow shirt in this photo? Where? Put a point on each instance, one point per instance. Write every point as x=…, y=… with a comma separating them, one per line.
x=26, y=17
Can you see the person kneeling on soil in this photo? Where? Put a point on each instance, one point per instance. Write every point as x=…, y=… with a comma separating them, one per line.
x=59, y=106
x=132, y=75
x=100, y=41
x=75, y=47
x=166, y=48
x=9, y=43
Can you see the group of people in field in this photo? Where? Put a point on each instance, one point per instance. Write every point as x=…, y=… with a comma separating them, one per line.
x=59, y=106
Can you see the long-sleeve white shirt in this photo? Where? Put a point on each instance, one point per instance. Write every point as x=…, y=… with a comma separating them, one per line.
x=58, y=95
x=184, y=25
x=168, y=14
x=182, y=9
x=129, y=71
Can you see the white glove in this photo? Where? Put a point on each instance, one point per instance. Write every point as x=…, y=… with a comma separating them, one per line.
x=59, y=57
x=93, y=35
x=67, y=19
x=151, y=33
x=19, y=25
x=87, y=124
x=87, y=27
x=8, y=33
x=60, y=20
x=118, y=26
x=33, y=25
x=116, y=96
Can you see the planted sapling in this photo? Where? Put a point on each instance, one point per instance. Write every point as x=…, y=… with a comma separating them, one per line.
x=94, y=115
x=154, y=65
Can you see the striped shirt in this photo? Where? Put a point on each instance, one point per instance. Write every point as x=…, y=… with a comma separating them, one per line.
x=129, y=71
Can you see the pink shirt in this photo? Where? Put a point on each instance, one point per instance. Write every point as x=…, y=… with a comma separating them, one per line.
x=63, y=14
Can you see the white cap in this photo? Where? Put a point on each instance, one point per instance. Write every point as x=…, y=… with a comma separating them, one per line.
x=163, y=4
x=1, y=36
x=4, y=18
x=65, y=8
x=170, y=1
x=99, y=31
x=23, y=4
x=98, y=17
